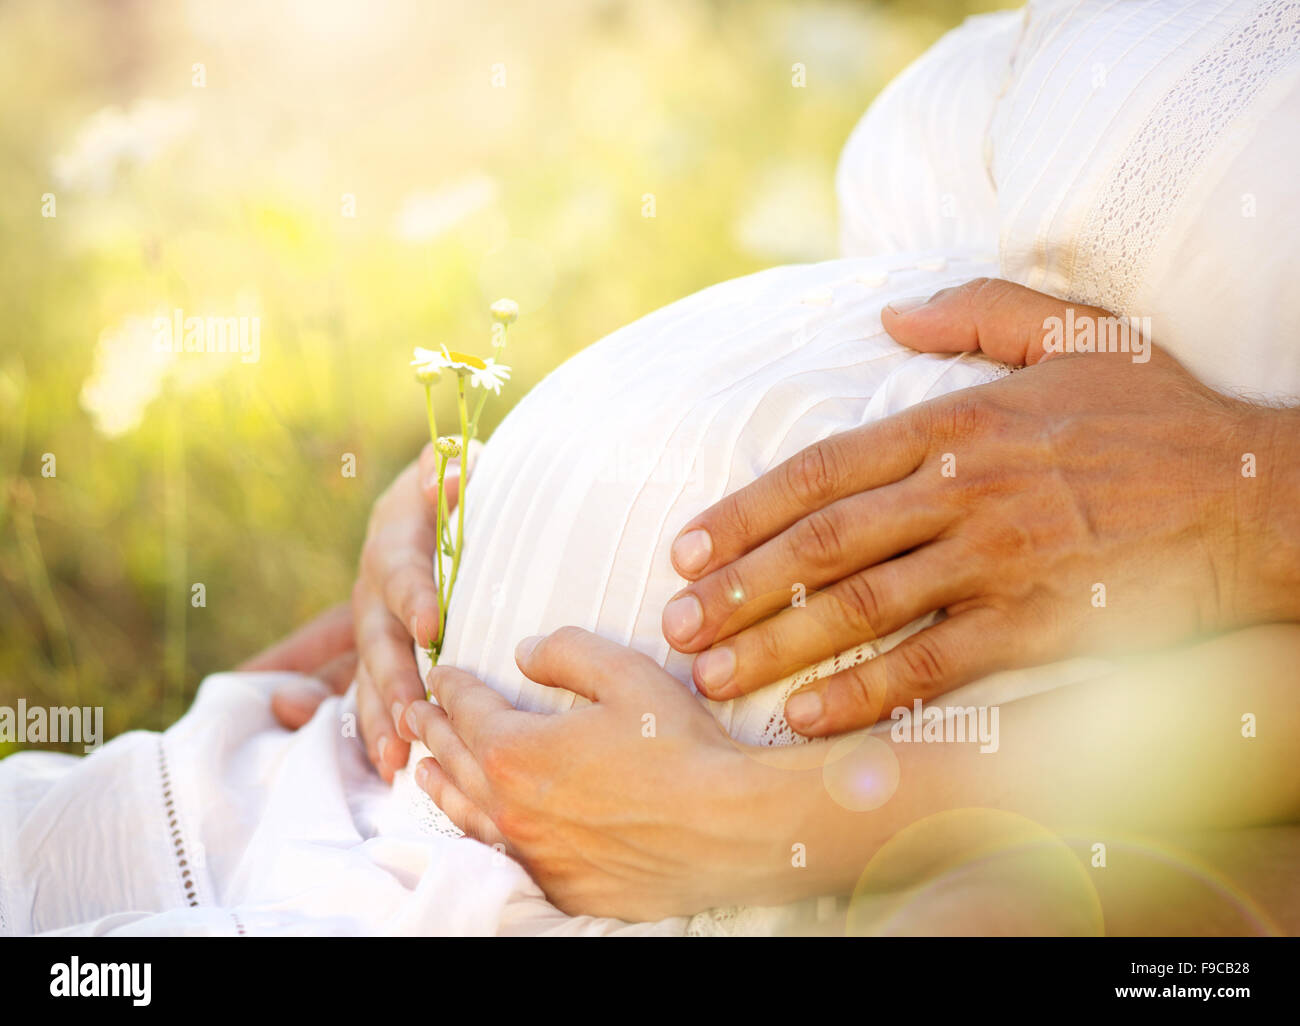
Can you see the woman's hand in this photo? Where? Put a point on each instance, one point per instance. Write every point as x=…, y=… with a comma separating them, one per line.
x=324, y=651
x=394, y=602
x=637, y=807
x=1091, y=502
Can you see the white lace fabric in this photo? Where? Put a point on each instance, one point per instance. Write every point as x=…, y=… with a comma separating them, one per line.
x=1152, y=172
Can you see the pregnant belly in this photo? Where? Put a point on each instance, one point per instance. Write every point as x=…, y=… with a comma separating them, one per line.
x=579, y=494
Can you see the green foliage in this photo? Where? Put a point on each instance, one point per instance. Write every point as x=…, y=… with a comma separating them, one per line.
x=229, y=198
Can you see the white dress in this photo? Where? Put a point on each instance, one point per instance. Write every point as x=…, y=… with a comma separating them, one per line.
x=1138, y=156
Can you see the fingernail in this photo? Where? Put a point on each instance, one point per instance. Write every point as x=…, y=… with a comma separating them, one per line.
x=525, y=648
x=421, y=773
x=411, y=722
x=907, y=305
x=397, y=715
x=715, y=667
x=804, y=708
x=383, y=746
x=683, y=617
x=691, y=551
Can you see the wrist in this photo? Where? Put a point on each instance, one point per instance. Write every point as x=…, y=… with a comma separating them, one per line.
x=807, y=844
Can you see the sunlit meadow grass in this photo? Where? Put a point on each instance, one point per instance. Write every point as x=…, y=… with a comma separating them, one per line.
x=362, y=178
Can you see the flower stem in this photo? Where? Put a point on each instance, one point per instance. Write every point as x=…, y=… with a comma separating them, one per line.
x=464, y=478
x=433, y=418
x=497, y=350
x=435, y=647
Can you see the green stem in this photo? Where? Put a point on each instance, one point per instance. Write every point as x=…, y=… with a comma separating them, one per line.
x=435, y=648
x=460, y=499
x=497, y=350
x=433, y=418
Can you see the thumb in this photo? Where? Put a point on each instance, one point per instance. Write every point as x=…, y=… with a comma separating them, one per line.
x=593, y=667
x=998, y=318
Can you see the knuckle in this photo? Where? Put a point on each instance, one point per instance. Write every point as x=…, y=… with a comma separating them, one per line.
x=862, y=696
x=988, y=294
x=818, y=538
x=1012, y=539
x=495, y=760
x=436, y=788
x=770, y=643
x=732, y=582
x=861, y=604
x=924, y=663
x=500, y=764
x=516, y=823
x=563, y=641
x=738, y=516
x=965, y=415
x=811, y=475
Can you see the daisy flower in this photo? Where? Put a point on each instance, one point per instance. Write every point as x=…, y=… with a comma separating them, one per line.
x=488, y=375
x=492, y=376
x=504, y=311
x=428, y=365
x=464, y=364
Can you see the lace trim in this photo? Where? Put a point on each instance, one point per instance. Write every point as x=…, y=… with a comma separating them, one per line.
x=814, y=914
x=1159, y=162
x=777, y=731
x=185, y=877
x=427, y=816
x=733, y=921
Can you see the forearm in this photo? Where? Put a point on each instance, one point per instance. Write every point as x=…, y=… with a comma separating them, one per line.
x=1266, y=563
x=1154, y=747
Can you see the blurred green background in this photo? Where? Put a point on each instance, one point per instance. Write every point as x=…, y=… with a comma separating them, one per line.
x=361, y=176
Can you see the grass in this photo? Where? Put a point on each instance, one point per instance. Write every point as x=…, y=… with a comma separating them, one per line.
x=352, y=175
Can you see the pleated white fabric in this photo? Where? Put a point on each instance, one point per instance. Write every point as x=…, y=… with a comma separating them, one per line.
x=1022, y=145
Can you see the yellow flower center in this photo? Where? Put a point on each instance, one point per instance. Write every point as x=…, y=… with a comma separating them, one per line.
x=468, y=360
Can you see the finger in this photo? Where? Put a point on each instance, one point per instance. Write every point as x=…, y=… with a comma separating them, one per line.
x=432, y=726
x=467, y=816
x=316, y=642
x=1001, y=319
x=338, y=673
x=951, y=653
x=387, y=752
x=862, y=607
x=386, y=651
x=477, y=713
x=411, y=596
x=825, y=546
x=294, y=704
x=397, y=560
x=866, y=457
x=585, y=663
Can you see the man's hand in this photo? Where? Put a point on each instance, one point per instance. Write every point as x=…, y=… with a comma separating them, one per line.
x=1089, y=503
x=394, y=602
